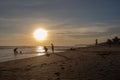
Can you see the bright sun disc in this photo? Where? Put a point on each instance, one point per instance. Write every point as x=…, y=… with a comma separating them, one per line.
x=40, y=34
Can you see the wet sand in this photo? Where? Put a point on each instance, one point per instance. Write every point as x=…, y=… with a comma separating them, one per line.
x=91, y=63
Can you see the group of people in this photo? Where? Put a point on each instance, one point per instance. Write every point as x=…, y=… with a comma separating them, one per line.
x=45, y=48
x=16, y=51
x=52, y=48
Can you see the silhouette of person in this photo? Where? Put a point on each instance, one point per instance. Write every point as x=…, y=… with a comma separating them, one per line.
x=46, y=49
x=20, y=52
x=96, y=41
x=15, y=51
x=52, y=46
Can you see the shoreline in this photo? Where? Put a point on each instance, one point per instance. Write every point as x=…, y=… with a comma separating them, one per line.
x=22, y=59
x=82, y=49
x=8, y=54
x=24, y=56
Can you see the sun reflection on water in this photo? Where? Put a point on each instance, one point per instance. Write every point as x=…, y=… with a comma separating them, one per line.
x=40, y=50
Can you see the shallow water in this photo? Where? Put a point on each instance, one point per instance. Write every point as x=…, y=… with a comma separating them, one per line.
x=7, y=53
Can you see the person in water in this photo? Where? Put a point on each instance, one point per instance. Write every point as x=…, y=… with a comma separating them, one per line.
x=15, y=51
x=46, y=49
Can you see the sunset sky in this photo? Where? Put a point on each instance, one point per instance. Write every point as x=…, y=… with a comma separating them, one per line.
x=68, y=22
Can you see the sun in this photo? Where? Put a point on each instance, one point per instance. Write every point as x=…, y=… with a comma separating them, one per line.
x=40, y=34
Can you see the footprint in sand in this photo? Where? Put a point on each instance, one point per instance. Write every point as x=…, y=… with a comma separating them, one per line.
x=63, y=62
x=43, y=65
x=71, y=71
x=70, y=66
x=57, y=79
x=53, y=63
x=62, y=68
x=57, y=73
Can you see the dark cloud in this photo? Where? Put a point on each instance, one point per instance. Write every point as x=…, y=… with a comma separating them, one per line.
x=77, y=9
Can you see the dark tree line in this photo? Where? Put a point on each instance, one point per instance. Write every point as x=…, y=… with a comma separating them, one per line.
x=114, y=41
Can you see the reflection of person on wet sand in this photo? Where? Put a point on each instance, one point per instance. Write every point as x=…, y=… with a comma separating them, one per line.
x=15, y=51
x=52, y=46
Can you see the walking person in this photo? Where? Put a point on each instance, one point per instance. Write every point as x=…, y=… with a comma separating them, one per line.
x=52, y=46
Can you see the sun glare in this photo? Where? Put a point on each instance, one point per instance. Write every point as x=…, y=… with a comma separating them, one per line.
x=40, y=34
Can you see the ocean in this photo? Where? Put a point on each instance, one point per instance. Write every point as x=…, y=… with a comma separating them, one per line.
x=7, y=52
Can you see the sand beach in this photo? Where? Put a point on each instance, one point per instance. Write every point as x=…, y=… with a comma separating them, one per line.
x=89, y=63
x=59, y=39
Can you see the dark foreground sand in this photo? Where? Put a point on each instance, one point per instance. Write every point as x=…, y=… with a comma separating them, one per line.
x=94, y=63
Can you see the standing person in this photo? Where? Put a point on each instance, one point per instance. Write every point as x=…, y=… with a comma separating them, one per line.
x=52, y=46
x=96, y=41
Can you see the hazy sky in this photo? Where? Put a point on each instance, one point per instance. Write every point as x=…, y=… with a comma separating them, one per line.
x=68, y=22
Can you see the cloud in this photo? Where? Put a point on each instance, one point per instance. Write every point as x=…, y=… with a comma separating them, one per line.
x=88, y=32
x=114, y=30
x=77, y=9
x=73, y=18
